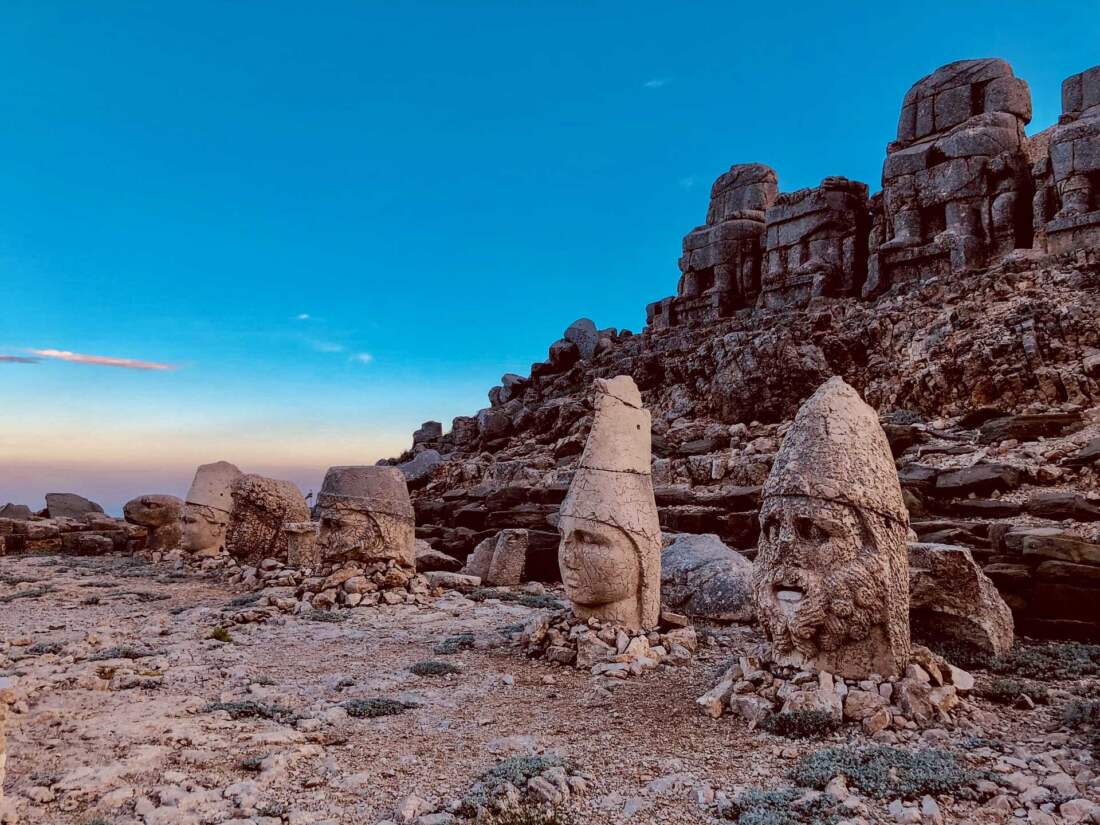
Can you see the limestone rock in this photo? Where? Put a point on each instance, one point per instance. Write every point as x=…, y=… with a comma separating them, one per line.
x=160, y=516
x=830, y=581
x=584, y=335
x=610, y=552
x=207, y=507
x=261, y=509
x=420, y=466
x=951, y=598
x=703, y=578
x=69, y=505
x=16, y=512
x=428, y=558
x=366, y=516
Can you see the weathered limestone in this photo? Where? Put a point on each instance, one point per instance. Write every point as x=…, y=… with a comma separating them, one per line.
x=956, y=185
x=69, y=505
x=160, y=516
x=301, y=544
x=951, y=598
x=1072, y=202
x=366, y=516
x=207, y=508
x=262, y=507
x=830, y=581
x=500, y=559
x=722, y=259
x=703, y=578
x=816, y=243
x=16, y=512
x=610, y=551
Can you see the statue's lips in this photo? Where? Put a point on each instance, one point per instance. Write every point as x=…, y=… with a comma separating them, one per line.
x=789, y=597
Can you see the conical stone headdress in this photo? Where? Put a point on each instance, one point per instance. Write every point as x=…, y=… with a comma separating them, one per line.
x=376, y=489
x=213, y=486
x=613, y=484
x=836, y=451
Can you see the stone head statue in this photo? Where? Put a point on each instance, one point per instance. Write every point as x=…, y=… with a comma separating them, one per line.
x=262, y=507
x=831, y=578
x=207, y=508
x=610, y=551
x=160, y=516
x=366, y=515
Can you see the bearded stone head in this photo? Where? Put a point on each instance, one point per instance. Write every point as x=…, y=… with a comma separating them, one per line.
x=830, y=580
x=366, y=516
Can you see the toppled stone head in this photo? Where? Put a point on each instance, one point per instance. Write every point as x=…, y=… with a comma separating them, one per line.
x=610, y=551
x=262, y=507
x=366, y=516
x=160, y=516
x=830, y=580
x=207, y=508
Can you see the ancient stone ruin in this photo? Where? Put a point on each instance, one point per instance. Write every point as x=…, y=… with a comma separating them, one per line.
x=831, y=580
x=160, y=516
x=610, y=553
x=207, y=508
x=262, y=509
x=366, y=516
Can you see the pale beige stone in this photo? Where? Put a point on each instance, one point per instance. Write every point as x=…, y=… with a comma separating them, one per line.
x=301, y=540
x=610, y=551
x=509, y=558
x=207, y=508
x=262, y=507
x=830, y=581
x=160, y=516
x=366, y=515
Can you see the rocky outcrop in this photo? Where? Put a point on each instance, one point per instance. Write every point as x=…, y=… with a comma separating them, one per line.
x=69, y=505
x=703, y=578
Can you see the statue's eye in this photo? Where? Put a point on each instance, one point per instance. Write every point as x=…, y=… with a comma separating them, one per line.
x=808, y=530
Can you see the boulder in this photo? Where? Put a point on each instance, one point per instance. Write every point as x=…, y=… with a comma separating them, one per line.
x=702, y=577
x=429, y=431
x=429, y=559
x=583, y=333
x=16, y=512
x=421, y=465
x=1062, y=504
x=1030, y=427
x=951, y=598
x=160, y=516
x=69, y=505
x=980, y=479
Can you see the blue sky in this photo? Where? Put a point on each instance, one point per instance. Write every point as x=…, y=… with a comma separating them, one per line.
x=440, y=187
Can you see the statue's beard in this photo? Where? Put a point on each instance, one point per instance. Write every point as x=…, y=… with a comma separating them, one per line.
x=814, y=610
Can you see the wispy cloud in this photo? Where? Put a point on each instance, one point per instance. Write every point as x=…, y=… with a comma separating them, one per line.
x=100, y=360
x=657, y=82
x=362, y=357
x=325, y=346
x=302, y=316
x=18, y=359
x=687, y=182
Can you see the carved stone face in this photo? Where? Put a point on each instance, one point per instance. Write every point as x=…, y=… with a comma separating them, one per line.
x=599, y=564
x=203, y=529
x=821, y=583
x=348, y=533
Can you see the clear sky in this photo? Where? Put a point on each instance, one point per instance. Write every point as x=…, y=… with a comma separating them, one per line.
x=335, y=220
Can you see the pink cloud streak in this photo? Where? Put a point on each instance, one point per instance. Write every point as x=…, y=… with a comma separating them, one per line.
x=100, y=360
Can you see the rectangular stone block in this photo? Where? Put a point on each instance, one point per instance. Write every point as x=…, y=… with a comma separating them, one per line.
x=952, y=107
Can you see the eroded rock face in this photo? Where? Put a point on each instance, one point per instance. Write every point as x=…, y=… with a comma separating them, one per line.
x=610, y=551
x=500, y=559
x=830, y=581
x=262, y=508
x=703, y=578
x=366, y=516
x=160, y=516
x=69, y=505
x=207, y=508
x=951, y=598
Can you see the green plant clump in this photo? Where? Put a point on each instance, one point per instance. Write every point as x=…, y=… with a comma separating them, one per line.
x=1065, y=660
x=250, y=709
x=801, y=724
x=536, y=600
x=532, y=814
x=121, y=652
x=432, y=667
x=220, y=634
x=372, y=708
x=1007, y=691
x=518, y=769
x=253, y=763
x=882, y=771
x=43, y=648
x=781, y=807
x=1081, y=714
x=453, y=644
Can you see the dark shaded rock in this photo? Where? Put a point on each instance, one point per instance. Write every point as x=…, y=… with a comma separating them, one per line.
x=584, y=335
x=1056, y=545
x=16, y=512
x=420, y=467
x=918, y=476
x=703, y=578
x=982, y=508
x=69, y=505
x=1084, y=457
x=429, y=431
x=564, y=354
x=428, y=559
x=976, y=417
x=901, y=437
x=980, y=479
x=1030, y=427
x=1062, y=504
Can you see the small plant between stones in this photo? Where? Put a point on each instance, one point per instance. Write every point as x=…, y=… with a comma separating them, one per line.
x=801, y=724
x=881, y=771
x=781, y=807
x=373, y=708
x=251, y=709
x=453, y=644
x=431, y=667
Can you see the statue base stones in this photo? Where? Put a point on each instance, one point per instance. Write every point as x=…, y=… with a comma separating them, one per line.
x=765, y=692
x=605, y=648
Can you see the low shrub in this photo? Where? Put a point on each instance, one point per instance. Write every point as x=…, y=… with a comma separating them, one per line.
x=882, y=771
x=453, y=644
x=372, y=708
x=121, y=652
x=251, y=709
x=1007, y=691
x=781, y=807
x=538, y=600
x=1063, y=660
x=528, y=814
x=221, y=634
x=518, y=769
x=430, y=667
x=44, y=648
x=801, y=724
